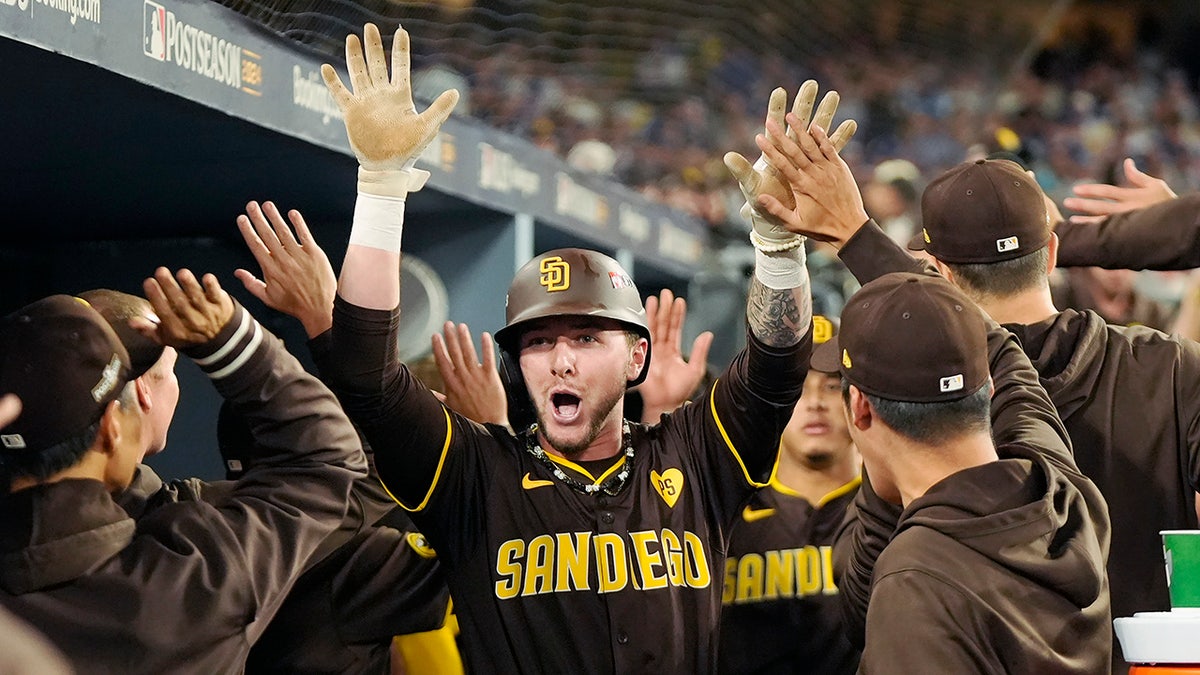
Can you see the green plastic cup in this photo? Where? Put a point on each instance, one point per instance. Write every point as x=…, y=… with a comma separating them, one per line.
x=1181, y=550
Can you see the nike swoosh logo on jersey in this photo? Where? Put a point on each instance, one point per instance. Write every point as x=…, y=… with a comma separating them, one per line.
x=531, y=483
x=750, y=515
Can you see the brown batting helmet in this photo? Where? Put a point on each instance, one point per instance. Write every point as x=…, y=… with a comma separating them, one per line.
x=567, y=282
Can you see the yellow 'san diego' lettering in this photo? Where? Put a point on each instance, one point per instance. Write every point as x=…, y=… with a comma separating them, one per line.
x=775, y=575
x=607, y=562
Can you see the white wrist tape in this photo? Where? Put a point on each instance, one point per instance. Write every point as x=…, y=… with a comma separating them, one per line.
x=378, y=222
x=782, y=270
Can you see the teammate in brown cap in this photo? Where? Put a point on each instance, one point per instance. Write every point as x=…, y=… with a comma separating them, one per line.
x=782, y=613
x=189, y=587
x=337, y=617
x=996, y=563
x=585, y=543
x=1129, y=396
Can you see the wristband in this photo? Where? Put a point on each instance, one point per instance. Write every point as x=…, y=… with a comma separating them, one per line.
x=782, y=270
x=378, y=222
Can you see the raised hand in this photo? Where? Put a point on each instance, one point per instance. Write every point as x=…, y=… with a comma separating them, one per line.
x=385, y=130
x=769, y=233
x=828, y=205
x=297, y=278
x=672, y=379
x=190, y=312
x=1097, y=201
x=473, y=386
x=10, y=409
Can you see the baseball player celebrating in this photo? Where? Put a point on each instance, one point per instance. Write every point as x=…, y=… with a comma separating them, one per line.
x=584, y=542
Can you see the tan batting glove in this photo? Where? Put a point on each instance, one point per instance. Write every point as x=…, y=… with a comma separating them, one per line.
x=768, y=233
x=385, y=130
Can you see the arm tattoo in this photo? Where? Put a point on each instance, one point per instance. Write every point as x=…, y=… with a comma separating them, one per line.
x=778, y=318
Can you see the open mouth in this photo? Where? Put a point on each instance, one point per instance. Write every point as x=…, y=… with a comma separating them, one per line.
x=566, y=406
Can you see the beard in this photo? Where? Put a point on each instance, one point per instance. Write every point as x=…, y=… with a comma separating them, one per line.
x=595, y=424
x=818, y=459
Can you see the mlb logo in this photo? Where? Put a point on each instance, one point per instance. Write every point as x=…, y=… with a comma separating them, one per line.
x=1008, y=244
x=952, y=383
x=620, y=280
x=154, y=31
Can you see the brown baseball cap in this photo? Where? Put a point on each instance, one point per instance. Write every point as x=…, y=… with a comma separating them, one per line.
x=118, y=308
x=66, y=363
x=914, y=338
x=825, y=352
x=984, y=211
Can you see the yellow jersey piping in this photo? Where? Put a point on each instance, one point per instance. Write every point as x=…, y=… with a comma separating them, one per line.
x=436, y=474
x=712, y=406
x=580, y=470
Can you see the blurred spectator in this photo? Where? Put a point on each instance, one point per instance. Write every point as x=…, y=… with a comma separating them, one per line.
x=891, y=198
x=1112, y=295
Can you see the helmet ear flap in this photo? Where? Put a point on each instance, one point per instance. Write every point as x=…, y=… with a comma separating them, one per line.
x=521, y=414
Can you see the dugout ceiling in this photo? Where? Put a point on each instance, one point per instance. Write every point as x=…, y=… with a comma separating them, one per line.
x=131, y=119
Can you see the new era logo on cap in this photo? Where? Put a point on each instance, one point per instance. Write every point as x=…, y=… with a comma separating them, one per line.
x=952, y=383
x=108, y=379
x=1007, y=244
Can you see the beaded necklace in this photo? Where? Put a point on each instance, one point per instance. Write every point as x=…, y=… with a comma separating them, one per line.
x=611, y=487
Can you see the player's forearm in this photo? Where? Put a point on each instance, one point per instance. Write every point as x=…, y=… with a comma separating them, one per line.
x=870, y=254
x=400, y=418
x=371, y=271
x=1165, y=236
x=779, y=305
x=370, y=278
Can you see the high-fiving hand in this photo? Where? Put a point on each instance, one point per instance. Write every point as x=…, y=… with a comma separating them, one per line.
x=473, y=386
x=190, y=312
x=828, y=205
x=385, y=130
x=297, y=278
x=770, y=233
x=1097, y=201
x=672, y=379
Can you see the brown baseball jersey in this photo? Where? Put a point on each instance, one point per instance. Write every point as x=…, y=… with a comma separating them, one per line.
x=547, y=578
x=782, y=613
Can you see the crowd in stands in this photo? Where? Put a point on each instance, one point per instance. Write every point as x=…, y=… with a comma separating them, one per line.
x=684, y=103
x=682, y=108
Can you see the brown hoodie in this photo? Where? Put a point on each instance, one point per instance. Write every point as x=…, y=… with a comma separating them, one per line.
x=996, y=569
x=190, y=586
x=999, y=568
x=1130, y=400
